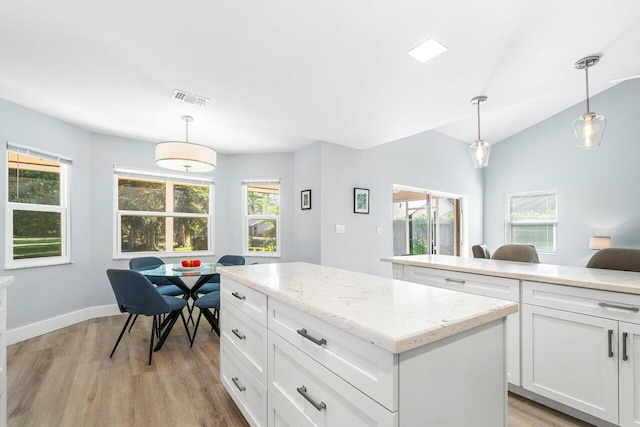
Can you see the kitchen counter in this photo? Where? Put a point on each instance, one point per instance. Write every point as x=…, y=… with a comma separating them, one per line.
x=592, y=278
x=392, y=314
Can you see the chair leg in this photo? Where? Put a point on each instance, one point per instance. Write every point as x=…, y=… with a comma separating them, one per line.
x=186, y=328
x=153, y=333
x=124, y=328
x=193, y=338
x=133, y=323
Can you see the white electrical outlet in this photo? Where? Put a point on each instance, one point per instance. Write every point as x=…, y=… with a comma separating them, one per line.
x=341, y=229
x=379, y=230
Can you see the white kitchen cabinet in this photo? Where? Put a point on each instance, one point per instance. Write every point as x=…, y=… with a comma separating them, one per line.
x=488, y=286
x=629, y=354
x=571, y=358
x=3, y=353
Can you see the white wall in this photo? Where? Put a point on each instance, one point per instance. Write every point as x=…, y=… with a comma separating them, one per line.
x=428, y=160
x=597, y=189
x=45, y=292
x=307, y=176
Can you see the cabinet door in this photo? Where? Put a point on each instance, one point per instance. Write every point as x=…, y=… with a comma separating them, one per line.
x=572, y=359
x=629, y=349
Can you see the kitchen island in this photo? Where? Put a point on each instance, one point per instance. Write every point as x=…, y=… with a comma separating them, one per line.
x=574, y=345
x=302, y=344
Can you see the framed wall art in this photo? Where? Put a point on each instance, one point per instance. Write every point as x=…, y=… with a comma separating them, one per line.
x=361, y=200
x=305, y=200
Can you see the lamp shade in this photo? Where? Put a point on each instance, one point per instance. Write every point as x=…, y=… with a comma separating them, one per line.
x=588, y=130
x=480, y=151
x=185, y=156
x=599, y=242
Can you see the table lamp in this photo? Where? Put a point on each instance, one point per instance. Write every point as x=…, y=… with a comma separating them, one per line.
x=599, y=242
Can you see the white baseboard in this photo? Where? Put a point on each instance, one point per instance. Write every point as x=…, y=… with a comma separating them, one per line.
x=45, y=326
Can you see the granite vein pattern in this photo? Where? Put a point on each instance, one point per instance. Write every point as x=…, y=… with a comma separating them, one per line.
x=391, y=314
x=592, y=278
x=6, y=281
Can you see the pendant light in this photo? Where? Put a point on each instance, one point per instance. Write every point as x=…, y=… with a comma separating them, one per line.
x=480, y=149
x=185, y=156
x=588, y=128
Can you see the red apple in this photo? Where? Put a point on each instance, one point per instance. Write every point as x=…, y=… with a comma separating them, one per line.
x=187, y=263
x=195, y=263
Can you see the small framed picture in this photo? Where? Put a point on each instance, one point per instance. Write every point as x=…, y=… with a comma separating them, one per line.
x=360, y=200
x=305, y=199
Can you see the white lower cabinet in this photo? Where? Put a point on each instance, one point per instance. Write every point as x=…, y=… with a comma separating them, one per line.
x=315, y=396
x=488, y=286
x=572, y=358
x=629, y=354
x=278, y=416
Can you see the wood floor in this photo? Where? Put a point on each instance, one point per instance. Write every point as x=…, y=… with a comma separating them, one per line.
x=65, y=378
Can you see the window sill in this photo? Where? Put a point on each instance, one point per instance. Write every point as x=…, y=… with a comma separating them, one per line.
x=261, y=255
x=43, y=264
x=131, y=255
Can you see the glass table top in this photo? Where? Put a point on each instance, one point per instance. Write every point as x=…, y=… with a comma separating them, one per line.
x=177, y=270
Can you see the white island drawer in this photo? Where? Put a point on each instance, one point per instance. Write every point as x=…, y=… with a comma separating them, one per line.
x=315, y=396
x=594, y=302
x=489, y=286
x=247, y=338
x=250, y=302
x=245, y=389
x=278, y=416
x=364, y=365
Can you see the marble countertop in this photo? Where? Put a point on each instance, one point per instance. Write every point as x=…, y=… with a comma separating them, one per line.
x=6, y=281
x=592, y=278
x=391, y=314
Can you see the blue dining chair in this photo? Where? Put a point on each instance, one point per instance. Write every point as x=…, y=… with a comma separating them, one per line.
x=207, y=302
x=136, y=295
x=213, y=285
x=165, y=287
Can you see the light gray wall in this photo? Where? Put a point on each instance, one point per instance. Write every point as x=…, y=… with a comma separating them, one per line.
x=307, y=176
x=597, y=189
x=428, y=160
x=46, y=292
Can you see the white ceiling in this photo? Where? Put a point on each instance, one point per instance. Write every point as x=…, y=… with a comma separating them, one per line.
x=284, y=73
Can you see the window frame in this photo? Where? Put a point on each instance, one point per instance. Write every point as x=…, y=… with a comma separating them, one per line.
x=120, y=172
x=66, y=167
x=508, y=223
x=246, y=218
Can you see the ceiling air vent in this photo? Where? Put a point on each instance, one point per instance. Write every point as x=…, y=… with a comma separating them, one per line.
x=189, y=98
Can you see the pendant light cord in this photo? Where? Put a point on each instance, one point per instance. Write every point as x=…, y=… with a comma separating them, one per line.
x=479, y=120
x=586, y=73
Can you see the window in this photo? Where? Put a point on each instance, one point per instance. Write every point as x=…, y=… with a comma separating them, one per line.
x=163, y=214
x=261, y=217
x=37, y=212
x=532, y=219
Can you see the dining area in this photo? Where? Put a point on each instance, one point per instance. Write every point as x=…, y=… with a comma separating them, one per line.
x=185, y=291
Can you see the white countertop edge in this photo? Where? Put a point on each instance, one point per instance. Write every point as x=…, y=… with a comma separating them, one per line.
x=560, y=276
x=6, y=281
x=428, y=335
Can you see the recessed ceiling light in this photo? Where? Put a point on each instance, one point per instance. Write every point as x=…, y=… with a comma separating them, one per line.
x=427, y=50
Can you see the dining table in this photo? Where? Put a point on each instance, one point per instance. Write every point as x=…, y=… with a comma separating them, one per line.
x=175, y=273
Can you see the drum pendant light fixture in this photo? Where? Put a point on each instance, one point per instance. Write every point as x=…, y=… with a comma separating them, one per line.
x=479, y=150
x=185, y=156
x=588, y=128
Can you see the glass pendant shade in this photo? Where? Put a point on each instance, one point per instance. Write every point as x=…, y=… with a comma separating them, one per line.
x=480, y=151
x=185, y=156
x=588, y=130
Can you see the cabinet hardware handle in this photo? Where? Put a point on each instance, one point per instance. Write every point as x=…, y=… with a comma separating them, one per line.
x=316, y=341
x=624, y=346
x=237, y=383
x=606, y=304
x=610, y=342
x=238, y=334
x=319, y=406
x=448, y=280
x=237, y=295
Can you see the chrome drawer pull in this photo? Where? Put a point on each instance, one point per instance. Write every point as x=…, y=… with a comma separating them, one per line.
x=238, y=334
x=237, y=383
x=316, y=341
x=448, y=280
x=606, y=304
x=237, y=295
x=319, y=406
